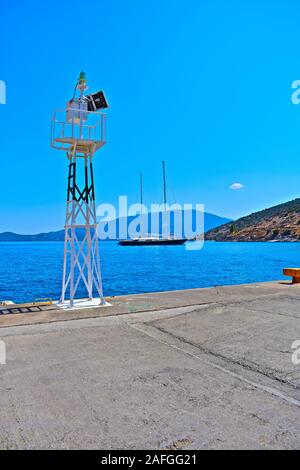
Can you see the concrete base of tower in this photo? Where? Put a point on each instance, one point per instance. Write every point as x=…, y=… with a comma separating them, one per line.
x=82, y=303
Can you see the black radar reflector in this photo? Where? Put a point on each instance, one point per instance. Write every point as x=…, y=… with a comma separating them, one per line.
x=96, y=101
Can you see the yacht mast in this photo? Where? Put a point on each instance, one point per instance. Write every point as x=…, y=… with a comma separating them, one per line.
x=141, y=189
x=165, y=185
x=164, y=214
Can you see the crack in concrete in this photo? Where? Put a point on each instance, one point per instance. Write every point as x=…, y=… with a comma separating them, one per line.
x=267, y=372
x=265, y=388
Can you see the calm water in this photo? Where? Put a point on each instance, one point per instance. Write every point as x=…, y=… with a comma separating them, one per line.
x=33, y=270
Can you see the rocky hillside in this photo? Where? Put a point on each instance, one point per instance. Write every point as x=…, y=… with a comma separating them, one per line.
x=278, y=223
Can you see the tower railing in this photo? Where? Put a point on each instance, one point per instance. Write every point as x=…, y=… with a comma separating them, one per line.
x=71, y=126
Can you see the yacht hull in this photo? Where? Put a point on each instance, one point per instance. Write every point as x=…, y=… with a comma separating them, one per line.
x=146, y=242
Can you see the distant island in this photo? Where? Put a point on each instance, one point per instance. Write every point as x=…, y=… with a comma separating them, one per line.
x=278, y=223
x=210, y=221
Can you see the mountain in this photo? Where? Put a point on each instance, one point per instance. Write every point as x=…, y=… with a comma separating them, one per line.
x=278, y=223
x=39, y=237
x=210, y=221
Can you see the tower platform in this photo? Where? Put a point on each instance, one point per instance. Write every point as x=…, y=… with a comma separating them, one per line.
x=81, y=145
x=89, y=136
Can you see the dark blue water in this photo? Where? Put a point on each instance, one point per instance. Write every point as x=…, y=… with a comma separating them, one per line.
x=33, y=270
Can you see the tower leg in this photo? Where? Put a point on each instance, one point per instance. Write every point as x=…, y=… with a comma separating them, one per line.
x=63, y=289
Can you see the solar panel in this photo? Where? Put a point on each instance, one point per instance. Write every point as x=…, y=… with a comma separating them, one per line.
x=96, y=101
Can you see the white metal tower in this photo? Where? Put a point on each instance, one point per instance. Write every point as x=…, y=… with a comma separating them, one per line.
x=79, y=130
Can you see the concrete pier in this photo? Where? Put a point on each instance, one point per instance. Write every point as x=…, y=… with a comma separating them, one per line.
x=194, y=369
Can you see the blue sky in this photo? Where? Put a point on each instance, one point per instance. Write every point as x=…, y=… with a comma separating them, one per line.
x=206, y=86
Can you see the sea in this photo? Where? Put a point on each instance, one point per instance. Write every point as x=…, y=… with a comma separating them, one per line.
x=33, y=270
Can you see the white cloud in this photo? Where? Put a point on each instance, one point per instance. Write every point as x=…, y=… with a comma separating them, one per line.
x=236, y=186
